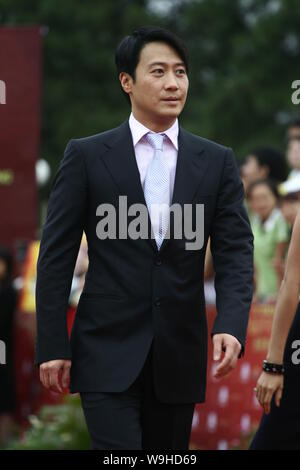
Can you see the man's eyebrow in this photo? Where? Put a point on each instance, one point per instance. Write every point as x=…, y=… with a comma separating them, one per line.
x=165, y=63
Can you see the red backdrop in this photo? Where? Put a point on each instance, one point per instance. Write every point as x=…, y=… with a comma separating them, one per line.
x=231, y=410
x=20, y=69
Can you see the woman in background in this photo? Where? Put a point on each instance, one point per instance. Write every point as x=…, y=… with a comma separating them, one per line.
x=263, y=163
x=8, y=300
x=271, y=237
x=278, y=387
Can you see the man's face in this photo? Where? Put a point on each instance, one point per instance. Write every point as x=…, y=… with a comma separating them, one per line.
x=293, y=148
x=251, y=170
x=293, y=133
x=262, y=201
x=160, y=89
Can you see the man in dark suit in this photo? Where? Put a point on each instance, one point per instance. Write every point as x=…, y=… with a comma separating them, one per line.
x=138, y=348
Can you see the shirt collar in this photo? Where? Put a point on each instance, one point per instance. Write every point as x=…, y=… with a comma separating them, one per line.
x=138, y=130
x=269, y=223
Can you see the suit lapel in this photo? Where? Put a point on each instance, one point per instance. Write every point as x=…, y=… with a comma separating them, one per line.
x=121, y=163
x=190, y=170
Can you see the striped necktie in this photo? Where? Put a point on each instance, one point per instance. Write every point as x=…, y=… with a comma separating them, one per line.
x=157, y=188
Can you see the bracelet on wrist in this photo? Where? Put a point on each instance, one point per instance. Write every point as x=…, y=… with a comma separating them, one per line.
x=273, y=368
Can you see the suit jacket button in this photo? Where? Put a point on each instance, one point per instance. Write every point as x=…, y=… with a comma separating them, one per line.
x=158, y=262
x=157, y=303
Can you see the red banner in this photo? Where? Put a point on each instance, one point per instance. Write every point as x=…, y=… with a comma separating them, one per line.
x=231, y=412
x=20, y=90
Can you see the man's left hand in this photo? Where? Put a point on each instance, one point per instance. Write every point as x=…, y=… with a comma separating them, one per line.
x=232, y=348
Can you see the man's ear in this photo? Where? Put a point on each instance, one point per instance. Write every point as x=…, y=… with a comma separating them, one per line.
x=126, y=81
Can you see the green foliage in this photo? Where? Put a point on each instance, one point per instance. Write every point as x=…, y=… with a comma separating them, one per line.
x=81, y=91
x=56, y=427
x=244, y=57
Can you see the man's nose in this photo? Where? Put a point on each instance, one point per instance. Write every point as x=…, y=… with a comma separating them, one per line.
x=171, y=81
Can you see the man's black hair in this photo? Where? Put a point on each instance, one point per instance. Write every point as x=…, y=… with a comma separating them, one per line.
x=274, y=159
x=128, y=52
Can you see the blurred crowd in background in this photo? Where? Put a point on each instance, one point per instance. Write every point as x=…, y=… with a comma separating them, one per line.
x=272, y=188
x=271, y=181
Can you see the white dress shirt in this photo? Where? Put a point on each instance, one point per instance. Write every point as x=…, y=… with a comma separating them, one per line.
x=144, y=151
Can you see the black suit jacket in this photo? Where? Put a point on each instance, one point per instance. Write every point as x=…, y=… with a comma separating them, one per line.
x=133, y=292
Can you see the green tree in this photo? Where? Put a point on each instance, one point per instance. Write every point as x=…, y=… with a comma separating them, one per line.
x=244, y=57
x=245, y=54
x=81, y=92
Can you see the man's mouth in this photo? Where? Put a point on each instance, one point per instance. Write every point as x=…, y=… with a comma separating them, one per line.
x=171, y=98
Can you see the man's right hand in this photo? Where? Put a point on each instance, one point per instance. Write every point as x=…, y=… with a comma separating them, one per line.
x=55, y=375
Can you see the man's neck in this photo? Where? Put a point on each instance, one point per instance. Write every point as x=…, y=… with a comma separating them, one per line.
x=155, y=126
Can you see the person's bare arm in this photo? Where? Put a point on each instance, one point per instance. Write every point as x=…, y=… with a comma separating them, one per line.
x=288, y=298
x=284, y=314
x=278, y=261
x=208, y=264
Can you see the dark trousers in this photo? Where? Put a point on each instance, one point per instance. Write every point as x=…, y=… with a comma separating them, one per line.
x=135, y=419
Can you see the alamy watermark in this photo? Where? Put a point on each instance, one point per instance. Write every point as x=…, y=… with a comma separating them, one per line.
x=296, y=94
x=184, y=222
x=2, y=352
x=296, y=354
x=2, y=92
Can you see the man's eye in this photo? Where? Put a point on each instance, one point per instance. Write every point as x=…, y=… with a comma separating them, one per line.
x=158, y=71
x=181, y=71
